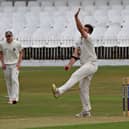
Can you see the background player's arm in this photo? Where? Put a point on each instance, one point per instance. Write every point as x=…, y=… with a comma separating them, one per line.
x=20, y=59
x=2, y=60
x=73, y=59
x=79, y=25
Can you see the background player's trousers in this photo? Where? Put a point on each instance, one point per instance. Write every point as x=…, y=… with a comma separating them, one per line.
x=84, y=75
x=11, y=74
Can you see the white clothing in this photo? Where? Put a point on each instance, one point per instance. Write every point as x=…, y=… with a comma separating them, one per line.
x=84, y=93
x=11, y=56
x=11, y=77
x=11, y=51
x=87, y=51
x=85, y=73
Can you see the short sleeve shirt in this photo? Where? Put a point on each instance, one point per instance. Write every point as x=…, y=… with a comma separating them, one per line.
x=11, y=51
x=87, y=50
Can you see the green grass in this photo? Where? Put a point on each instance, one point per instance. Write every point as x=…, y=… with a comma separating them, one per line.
x=36, y=99
x=120, y=125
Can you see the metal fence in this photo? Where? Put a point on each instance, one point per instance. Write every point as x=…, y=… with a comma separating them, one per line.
x=62, y=49
x=59, y=53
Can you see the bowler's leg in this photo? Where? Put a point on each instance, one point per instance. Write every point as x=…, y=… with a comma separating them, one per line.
x=85, y=98
x=82, y=72
x=84, y=93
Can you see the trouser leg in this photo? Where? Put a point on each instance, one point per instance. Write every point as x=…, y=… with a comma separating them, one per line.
x=84, y=93
x=7, y=77
x=84, y=71
x=15, y=83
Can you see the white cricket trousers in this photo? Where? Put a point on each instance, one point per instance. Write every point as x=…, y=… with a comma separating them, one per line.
x=11, y=74
x=84, y=74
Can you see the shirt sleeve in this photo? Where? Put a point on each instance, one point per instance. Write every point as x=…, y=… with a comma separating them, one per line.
x=89, y=38
x=20, y=48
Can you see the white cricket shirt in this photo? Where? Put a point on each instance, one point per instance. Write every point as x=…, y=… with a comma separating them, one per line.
x=11, y=51
x=87, y=50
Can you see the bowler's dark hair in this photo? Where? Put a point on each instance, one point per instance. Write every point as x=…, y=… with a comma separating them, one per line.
x=90, y=28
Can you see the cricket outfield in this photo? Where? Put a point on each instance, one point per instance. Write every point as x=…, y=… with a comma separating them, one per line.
x=38, y=108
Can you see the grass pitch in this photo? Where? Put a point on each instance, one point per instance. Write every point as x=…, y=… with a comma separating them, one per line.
x=121, y=125
x=37, y=103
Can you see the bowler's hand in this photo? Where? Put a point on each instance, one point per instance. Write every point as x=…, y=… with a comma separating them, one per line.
x=67, y=67
x=77, y=13
x=18, y=66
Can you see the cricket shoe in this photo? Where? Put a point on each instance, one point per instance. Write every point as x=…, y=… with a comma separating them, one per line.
x=12, y=102
x=83, y=114
x=55, y=91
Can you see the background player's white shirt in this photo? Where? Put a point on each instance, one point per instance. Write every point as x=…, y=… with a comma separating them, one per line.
x=11, y=51
x=87, y=50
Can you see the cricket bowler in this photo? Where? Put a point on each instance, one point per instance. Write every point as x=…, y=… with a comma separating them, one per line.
x=86, y=52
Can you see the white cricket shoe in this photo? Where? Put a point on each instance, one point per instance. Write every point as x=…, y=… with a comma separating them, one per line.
x=55, y=91
x=12, y=102
x=83, y=114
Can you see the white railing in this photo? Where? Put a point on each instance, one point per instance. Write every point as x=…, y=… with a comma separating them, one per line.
x=71, y=43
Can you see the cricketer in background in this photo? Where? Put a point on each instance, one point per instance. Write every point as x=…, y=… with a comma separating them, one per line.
x=86, y=52
x=11, y=53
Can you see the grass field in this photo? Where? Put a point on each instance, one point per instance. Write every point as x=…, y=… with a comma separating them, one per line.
x=121, y=125
x=38, y=108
